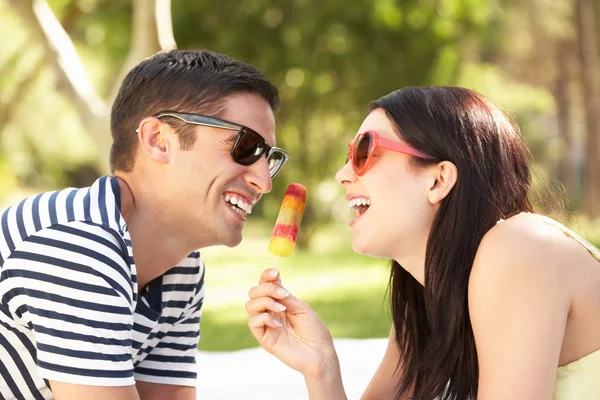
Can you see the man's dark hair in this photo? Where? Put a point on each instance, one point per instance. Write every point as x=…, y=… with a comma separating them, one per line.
x=184, y=81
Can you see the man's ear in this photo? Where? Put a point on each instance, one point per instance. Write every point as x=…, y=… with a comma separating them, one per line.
x=445, y=176
x=154, y=141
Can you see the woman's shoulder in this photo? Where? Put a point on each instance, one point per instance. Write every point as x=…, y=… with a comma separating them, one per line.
x=528, y=225
x=524, y=249
x=530, y=234
x=522, y=236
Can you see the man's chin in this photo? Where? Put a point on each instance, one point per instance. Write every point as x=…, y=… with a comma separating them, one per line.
x=229, y=239
x=233, y=241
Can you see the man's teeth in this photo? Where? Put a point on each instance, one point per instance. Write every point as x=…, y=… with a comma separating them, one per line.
x=239, y=211
x=359, y=201
x=239, y=204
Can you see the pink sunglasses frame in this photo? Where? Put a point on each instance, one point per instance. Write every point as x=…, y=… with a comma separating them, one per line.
x=377, y=141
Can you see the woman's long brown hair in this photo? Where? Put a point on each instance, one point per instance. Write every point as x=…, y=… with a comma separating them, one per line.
x=433, y=328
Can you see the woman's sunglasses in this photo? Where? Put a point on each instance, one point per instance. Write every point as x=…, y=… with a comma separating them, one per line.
x=249, y=145
x=362, y=148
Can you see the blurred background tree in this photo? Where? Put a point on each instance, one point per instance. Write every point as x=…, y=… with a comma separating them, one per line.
x=62, y=61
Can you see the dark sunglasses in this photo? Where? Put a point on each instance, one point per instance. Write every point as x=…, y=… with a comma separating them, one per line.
x=249, y=145
x=362, y=148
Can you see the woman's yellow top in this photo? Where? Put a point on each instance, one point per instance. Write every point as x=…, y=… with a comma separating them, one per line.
x=579, y=380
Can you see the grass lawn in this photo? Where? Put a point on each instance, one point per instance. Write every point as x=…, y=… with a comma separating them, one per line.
x=347, y=290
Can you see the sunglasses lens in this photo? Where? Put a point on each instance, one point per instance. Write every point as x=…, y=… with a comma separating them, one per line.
x=361, y=152
x=248, y=147
x=276, y=160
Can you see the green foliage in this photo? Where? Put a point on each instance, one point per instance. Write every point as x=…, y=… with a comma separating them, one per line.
x=329, y=58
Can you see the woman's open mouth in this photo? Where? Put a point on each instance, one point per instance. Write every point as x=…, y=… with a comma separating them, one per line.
x=360, y=205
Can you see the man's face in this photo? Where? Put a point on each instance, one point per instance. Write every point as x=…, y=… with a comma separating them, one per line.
x=209, y=185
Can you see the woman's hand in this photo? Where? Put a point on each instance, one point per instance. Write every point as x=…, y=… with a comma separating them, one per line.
x=289, y=329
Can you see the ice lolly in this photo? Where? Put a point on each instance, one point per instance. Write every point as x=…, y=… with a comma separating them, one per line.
x=285, y=232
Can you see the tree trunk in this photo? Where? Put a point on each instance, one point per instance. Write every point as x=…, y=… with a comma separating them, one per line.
x=151, y=31
x=8, y=107
x=588, y=55
x=567, y=170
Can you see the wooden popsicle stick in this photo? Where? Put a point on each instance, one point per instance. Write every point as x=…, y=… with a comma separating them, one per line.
x=277, y=261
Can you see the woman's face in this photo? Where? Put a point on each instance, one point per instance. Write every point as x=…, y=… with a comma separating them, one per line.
x=396, y=219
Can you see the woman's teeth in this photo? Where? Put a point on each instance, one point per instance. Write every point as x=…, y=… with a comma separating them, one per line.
x=359, y=204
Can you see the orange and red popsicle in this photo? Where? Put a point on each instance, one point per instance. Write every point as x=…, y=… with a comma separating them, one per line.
x=288, y=221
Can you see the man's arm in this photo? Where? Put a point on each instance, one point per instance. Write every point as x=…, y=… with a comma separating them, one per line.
x=66, y=391
x=157, y=391
x=69, y=285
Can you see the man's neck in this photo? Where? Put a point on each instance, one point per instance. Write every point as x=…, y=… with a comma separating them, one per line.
x=155, y=250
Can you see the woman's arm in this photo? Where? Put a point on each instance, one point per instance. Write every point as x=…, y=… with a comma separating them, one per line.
x=385, y=381
x=289, y=329
x=299, y=338
x=518, y=305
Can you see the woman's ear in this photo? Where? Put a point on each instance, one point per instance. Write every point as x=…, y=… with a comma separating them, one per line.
x=445, y=176
x=153, y=139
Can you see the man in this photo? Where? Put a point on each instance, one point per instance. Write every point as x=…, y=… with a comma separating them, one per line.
x=102, y=287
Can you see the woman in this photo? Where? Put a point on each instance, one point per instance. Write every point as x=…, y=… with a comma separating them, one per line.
x=489, y=301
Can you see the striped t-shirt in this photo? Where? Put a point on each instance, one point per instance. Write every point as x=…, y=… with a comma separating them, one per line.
x=70, y=309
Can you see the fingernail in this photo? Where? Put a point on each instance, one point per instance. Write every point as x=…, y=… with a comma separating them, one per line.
x=273, y=273
x=277, y=322
x=282, y=292
x=279, y=306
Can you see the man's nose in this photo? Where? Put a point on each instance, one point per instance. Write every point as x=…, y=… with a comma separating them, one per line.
x=259, y=176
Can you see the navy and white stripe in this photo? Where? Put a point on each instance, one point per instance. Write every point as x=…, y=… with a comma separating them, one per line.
x=70, y=309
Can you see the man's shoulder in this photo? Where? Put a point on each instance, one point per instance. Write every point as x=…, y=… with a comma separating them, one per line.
x=98, y=203
x=84, y=213
x=68, y=262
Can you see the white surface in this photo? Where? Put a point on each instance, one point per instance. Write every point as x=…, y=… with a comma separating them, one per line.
x=255, y=374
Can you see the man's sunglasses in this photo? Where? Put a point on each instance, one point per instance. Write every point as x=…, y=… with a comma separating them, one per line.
x=249, y=145
x=362, y=148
